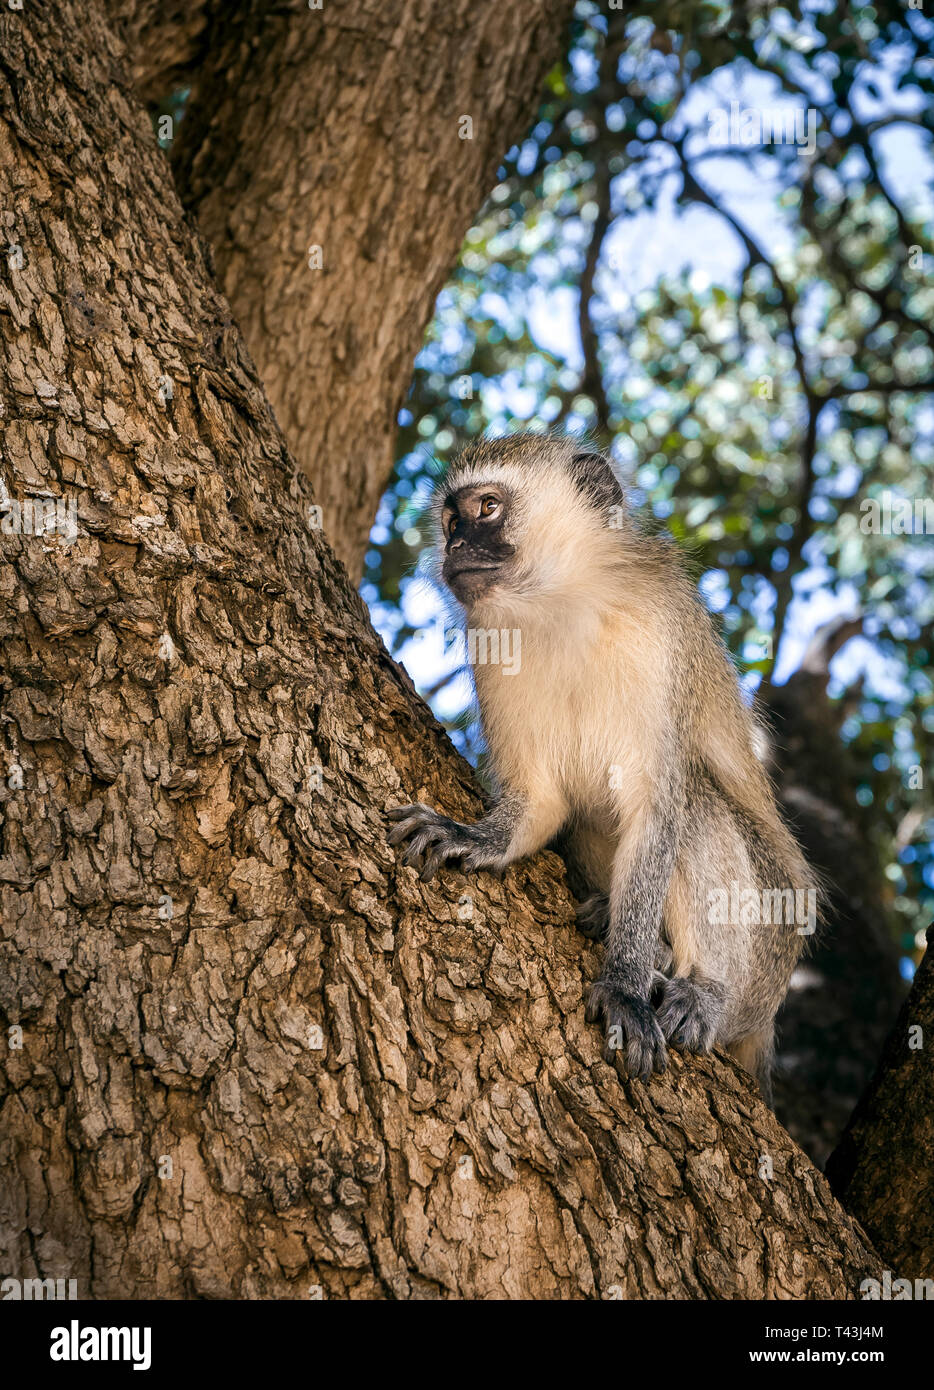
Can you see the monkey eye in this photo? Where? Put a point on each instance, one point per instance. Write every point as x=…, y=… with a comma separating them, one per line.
x=489, y=505
x=452, y=524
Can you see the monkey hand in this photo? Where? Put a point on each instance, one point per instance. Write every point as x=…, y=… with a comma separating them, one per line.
x=426, y=830
x=632, y=1030
x=593, y=917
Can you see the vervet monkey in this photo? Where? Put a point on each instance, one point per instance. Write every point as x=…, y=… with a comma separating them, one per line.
x=621, y=734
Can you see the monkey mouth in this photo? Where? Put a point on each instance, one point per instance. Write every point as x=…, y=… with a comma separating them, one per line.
x=453, y=573
x=468, y=582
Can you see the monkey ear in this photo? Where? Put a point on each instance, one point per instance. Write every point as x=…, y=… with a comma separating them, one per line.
x=594, y=475
x=592, y=460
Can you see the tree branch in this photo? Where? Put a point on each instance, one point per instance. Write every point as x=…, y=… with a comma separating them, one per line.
x=592, y=379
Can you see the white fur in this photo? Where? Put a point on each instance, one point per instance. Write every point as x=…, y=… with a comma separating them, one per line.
x=565, y=600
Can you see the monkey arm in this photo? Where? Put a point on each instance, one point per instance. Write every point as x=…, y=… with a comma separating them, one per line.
x=642, y=869
x=516, y=826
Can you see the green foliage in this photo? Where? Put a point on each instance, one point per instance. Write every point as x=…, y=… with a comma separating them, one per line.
x=754, y=414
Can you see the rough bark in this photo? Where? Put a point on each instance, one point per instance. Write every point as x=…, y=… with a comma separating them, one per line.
x=883, y=1168
x=314, y=1072
x=343, y=129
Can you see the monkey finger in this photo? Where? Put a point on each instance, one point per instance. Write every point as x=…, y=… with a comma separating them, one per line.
x=633, y=1036
x=671, y=1019
x=688, y=1013
x=593, y=1009
x=645, y=1050
x=418, y=829
x=603, y=1001
x=400, y=812
x=420, y=842
x=645, y=1055
x=434, y=861
x=418, y=812
x=403, y=830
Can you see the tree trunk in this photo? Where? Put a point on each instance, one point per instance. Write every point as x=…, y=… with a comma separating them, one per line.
x=249, y=1054
x=882, y=1168
x=334, y=159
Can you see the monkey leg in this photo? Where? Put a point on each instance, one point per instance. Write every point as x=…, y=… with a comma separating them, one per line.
x=690, y=1010
x=755, y=1052
x=642, y=866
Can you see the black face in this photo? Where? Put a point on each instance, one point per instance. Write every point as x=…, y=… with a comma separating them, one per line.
x=476, y=551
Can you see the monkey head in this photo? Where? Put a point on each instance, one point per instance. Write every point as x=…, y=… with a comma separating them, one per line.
x=512, y=515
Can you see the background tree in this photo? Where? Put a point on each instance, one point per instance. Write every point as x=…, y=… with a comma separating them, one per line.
x=881, y=1168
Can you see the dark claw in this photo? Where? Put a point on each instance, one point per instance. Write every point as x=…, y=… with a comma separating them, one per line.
x=632, y=1030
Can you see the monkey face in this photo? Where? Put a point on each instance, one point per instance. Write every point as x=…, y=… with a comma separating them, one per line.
x=476, y=552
